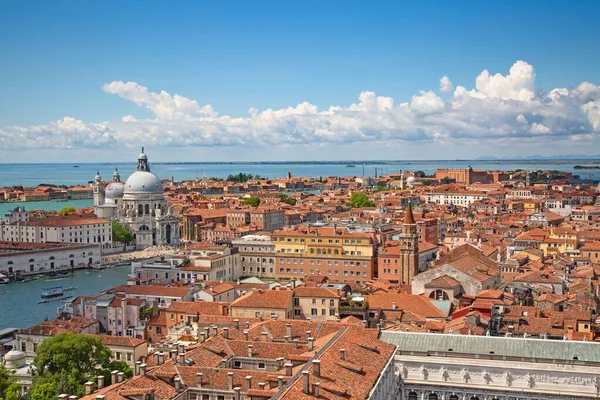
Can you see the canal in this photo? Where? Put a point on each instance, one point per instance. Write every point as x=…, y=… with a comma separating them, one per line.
x=19, y=306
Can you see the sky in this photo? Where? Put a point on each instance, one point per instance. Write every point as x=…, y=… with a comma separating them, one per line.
x=300, y=80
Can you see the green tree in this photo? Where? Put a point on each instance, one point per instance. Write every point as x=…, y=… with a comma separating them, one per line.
x=253, y=201
x=445, y=180
x=381, y=188
x=67, y=361
x=13, y=392
x=287, y=200
x=358, y=200
x=121, y=233
x=43, y=391
x=6, y=380
x=67, y=210
x=120, y=366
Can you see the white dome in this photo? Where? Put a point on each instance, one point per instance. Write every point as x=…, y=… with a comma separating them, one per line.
x=14, y=355
x=143, y=182
x=410, y=179
x=115, y=190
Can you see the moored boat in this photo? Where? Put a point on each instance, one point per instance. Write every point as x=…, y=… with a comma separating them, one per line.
x=52, y=292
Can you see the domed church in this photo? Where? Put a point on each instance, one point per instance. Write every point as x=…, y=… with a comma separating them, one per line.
x=139, y=204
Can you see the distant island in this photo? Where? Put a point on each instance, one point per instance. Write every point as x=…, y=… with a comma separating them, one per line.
x=586, y=167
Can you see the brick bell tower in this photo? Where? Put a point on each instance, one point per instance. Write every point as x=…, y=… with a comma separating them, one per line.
x=409, y=248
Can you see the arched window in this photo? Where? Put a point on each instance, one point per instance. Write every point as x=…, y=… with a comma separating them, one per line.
x=147, y=209
x=439, y=294
x=453, y=397
x=31, y=260
x=140, y=210
x=412, y=396
x=433, y=396
x=10, y=263
x=71, y=256
x=474, y=398
x=52, y=258
x=144, y=228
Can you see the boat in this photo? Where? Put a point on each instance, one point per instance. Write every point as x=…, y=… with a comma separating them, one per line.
x=350, y=166
x=69, y=288
x=52, y=292
x=75, y=166
x=28, y=279
x=59, y=276
x=59, y=200
x=55, y=299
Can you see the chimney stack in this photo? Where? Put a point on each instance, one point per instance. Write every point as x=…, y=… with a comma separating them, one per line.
x=280, y=381
x=89, y=388
x=296, y=343
x=161, y=358
x=286, y=338
x=230, y=380
x=178, y=384
x=143, y=369
x=173, y=354
x=236, y=323
x=100, y=382
x=393, y=305
x=120, y=377
x=226, y=333
x=100, y=397
x=308, y=334
x=316, y=367
x=237, y=395
x=181, y=348
x=288, y=330
x=261, y=386
x=215, y=330
x=315, y=389
x=342, y=354
x=181, y=358
x=247, y=324
x=306, y=382
x=288, y=369
x=311, y=344
x=62, y=396
x=250, y=348
x=249, y=381
x=113, y=377
x=207, y=331
x=73, y=397
x=265, y=336
x=136, y=370
x=246, y=336
x=202, y=336
x=199, y=379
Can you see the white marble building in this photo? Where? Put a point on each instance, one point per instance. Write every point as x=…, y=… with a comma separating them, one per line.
x=139, y=204
x=461, y=367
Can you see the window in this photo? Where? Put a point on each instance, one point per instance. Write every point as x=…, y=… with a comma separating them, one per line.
x=257, y=314
x=332, y=312
x=313, y=311
x=331, y=303
x=261, y=365
x=237, y=364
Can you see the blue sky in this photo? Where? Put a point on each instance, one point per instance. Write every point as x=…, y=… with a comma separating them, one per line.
x=57, y=56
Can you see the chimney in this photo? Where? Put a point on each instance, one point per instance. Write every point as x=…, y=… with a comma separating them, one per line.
x=280, y=381
x=315, y=389
x=265, y=336
x=288, y=369
x=143, y=369
x=199, y=379
x=100, y=382
x=156, y=359
x=393, y=305
x=230, y=380
x=237, y=395
x=226, y=333
x=316, y=367
x=136, y=370
x=89, y=388
x=286, y=338
x=261, y=386
x=100, y=397
x=63, y=396
x=181, y=358
x=73, y=397
x=246, y=336
x=181, y=348
x=207, y=331
x=342, y=354
x=250, y=348
x=173, y=354
x=288, y=330
x=365, y=322
x=306, y=382
x=202, y=337
x=311, y=343
x=247, y=324
x=215, y=330
x=236, y=323
x=161, y=358
x=308, y=334
x=120, y=377
x=249, y=381
x=178, y=384
x=295, y=343
x=113, y=377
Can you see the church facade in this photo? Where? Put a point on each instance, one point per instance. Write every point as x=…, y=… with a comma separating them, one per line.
x=139, y=204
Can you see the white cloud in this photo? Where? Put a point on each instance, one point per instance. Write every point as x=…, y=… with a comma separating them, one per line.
x=499, y=110
x=446, y=84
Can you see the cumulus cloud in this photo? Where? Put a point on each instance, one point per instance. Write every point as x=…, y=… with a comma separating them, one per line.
x=498, y=109
x=446, y=84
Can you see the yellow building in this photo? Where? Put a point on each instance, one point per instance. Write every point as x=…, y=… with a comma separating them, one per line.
x=561, y=241
x=334, y=252
x=533, y=205
x=264, y=304
x=316, y=303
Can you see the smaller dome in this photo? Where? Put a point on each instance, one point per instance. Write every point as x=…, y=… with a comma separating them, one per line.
x=411, y=179
x=14, y=355
x=142, y=156
x=114, y=190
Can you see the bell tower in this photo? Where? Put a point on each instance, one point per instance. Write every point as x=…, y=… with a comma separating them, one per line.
x=409, y=248
x=98, y=189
